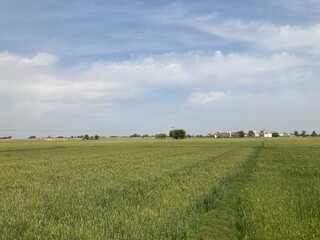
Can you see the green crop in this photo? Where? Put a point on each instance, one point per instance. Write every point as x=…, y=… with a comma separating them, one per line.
x=112, y=189
x=282, y=198
x=160, y=189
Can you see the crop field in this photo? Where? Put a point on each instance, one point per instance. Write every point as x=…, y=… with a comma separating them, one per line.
x=282, y=198
x=160, y=189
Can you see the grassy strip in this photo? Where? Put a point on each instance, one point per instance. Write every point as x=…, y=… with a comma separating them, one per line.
x=221, y=222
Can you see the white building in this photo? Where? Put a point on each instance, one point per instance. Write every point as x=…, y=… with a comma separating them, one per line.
x=267, y=135
x=256, y=134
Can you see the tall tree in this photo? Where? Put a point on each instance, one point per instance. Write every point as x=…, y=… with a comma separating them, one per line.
x=177, y=133
x=314, y=134
x=275, y=134
x=251, y=133
x=85, y=137
x=241, y=134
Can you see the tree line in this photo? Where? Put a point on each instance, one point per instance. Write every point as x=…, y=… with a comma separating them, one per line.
x=181, y=134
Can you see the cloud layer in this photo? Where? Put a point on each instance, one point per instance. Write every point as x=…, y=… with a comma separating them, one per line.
x=204, y=76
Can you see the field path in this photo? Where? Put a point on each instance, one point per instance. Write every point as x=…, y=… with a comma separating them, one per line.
x=221, y=223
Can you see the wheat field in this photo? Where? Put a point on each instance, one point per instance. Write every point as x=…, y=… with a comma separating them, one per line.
x=157, y=189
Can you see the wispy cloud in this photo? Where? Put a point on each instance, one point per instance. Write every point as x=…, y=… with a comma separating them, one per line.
x=109, y=82
x=41, y=59
x=271, y=37
x=203, y=98
x=297, y=6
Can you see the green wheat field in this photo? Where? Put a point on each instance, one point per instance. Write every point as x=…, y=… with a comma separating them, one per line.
x=161, y=189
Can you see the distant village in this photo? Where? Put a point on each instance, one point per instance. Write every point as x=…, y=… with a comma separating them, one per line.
x=251, y=133
x=260, y=134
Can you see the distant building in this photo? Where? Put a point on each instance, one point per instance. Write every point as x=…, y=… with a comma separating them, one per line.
x=286, y=135
x=263, y=133
x=223, y=135
x=256, y=134
x=236, y=134
x=266, y=134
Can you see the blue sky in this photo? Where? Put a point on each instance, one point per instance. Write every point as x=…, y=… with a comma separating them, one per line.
x=121, y=67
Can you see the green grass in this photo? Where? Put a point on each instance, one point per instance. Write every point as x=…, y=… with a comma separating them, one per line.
x=112, y=189
x=160, y=189
x=276, y=196
x=282, y=198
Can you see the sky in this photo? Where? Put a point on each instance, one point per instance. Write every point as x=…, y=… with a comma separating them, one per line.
x=118, y=67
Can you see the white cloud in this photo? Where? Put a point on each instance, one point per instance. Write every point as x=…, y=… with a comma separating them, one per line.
x=293, y=38
x=8, y=58
x=302, y=39
x=202, y=98
x=238, y=68
x=110, y=82
x=41, y=59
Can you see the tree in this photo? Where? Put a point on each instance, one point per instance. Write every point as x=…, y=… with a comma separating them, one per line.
x=296, y=133
x=304, y=133
x=275, y=134
x=161, y=136
x=241, y=133
x=135, y=135
x=32, y=137
x=314, y=134
x=251, y=133
x=85, y=137
x=96, y=137
x=6, y=137
x=177, y=133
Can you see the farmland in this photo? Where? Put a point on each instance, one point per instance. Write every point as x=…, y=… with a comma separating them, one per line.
x=160, y=189
x=282, y=199
x=277, y=196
